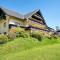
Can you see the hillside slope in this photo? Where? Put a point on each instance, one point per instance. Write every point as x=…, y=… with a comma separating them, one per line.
x=30, y=49
x=50, y=52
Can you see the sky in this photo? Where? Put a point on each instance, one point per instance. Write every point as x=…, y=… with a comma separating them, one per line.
x=49, y=8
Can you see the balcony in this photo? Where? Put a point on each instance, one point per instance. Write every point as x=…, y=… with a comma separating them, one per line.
x=38, y=16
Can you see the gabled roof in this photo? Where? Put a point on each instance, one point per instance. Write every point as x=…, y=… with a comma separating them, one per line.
x=18, y=15
x=31, y=13
x=12, y=13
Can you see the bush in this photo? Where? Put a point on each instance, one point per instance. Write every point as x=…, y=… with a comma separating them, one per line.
x=37, y=36
x=23, y=34
x=46, y=41
x=18, y=32
x=14, y=32
x=11, y=35
x=3, y=39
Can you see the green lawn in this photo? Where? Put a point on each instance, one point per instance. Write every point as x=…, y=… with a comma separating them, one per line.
x=30, y=49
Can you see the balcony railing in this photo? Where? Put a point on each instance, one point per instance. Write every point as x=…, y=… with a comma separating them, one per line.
x=38, y=28
x=37, y=21
x=37, y=16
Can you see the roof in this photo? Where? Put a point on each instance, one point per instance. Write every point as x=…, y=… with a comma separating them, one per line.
x=18, y=15
x=31, y=13
x=12, y=13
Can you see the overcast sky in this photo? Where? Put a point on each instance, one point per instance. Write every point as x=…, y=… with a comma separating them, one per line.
x=49, y=8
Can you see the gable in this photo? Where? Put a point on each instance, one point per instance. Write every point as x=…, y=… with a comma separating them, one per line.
x=33, y=13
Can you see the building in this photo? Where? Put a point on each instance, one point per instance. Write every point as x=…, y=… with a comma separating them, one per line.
x=31, y=21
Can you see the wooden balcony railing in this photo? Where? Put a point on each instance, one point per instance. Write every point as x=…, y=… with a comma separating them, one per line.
x=37, y=21
x=38, y=28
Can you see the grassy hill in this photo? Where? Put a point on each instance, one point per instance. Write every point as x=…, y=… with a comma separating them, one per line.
x=51, y=52
x=30, y=49
x=19, y=44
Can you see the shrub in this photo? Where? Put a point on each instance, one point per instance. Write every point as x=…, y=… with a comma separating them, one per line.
x=17, y=32
x=14, y=32
x=23, y=34
x=3, y=39
x=20, y=32
x=37, y=36
x=52, y=37
x=11, y=35
x=17, y=29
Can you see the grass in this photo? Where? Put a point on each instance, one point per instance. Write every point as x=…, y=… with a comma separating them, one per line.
x=30, y=49
x=50, y=52
x=18, y=44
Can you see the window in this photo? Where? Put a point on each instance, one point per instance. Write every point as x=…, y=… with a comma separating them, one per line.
x=5, y=24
